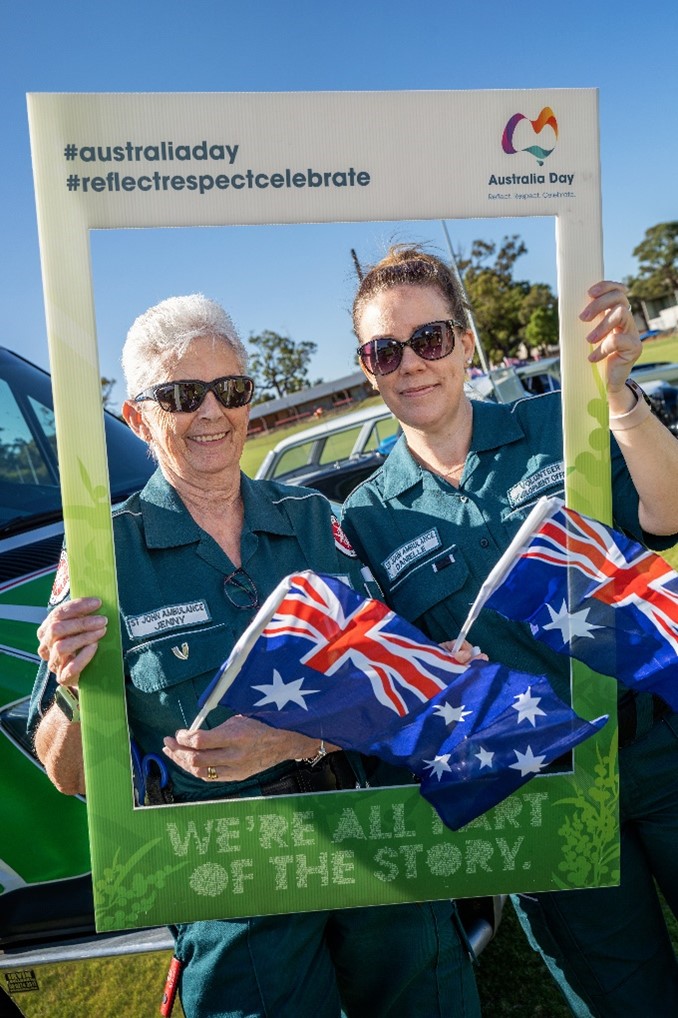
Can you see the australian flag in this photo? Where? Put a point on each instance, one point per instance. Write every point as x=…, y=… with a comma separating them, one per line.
x=596, y=595
x=322, y=660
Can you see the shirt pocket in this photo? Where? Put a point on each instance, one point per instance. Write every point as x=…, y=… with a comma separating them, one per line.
x=431, y=593
x=168, y=675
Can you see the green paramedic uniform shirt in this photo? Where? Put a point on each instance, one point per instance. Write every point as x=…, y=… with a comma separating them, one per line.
x=431, y=545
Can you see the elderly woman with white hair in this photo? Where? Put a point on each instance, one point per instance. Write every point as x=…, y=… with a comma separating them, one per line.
x=203, y=536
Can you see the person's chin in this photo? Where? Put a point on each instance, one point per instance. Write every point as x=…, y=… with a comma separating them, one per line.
x=423, y=405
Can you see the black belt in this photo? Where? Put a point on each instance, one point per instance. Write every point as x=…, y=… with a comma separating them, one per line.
x=333, y=772
x=635, y=719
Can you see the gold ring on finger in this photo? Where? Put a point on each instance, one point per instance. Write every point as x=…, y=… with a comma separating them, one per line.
x=212, y=774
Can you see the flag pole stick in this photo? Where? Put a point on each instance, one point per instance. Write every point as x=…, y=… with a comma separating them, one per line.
x=229, y=672
x=544, y=508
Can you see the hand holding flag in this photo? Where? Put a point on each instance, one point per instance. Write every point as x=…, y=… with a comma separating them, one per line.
x=592, y=593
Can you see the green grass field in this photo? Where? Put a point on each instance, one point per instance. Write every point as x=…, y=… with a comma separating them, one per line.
x=512, y=982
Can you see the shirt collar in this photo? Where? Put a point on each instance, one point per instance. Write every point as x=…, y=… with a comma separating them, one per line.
x=494, y=425
x=262, y=507
x=168, y=523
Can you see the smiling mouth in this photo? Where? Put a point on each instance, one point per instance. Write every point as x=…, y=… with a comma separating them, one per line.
x=206, y=439
x=417, y=390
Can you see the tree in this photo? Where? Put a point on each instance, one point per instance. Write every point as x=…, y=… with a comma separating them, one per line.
x=280, y=363
x=657, y=256
x=541, y=330
x=508, y=312
x=106, y=390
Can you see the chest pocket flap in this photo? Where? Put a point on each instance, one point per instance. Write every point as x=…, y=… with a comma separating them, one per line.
x=167, y=660
x=427, y=584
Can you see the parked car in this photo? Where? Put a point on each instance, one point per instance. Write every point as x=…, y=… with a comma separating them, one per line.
x=664, y=399
x=325, y=446
x=31, y=536
x=45, y=886
x=659, y=380
x=334, y=457
x=46, y=909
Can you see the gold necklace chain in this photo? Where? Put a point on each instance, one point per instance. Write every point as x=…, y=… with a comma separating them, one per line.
x=434, y=470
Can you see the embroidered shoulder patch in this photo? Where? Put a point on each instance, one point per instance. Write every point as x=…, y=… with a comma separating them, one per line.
x=410, y=552
x=341, y=540
x=172, y=616
x=61, y=587
x=536, y=484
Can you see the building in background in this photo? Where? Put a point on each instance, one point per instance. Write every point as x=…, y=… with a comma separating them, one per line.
x=307, y=403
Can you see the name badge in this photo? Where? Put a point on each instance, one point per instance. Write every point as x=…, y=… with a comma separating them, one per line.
x=548, y=477
x=172, y=616
x=410, y=552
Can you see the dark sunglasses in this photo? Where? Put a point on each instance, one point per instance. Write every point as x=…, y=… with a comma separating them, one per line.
x=186, y=396
x=432, y=341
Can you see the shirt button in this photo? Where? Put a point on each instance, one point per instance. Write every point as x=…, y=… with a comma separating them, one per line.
x=463, y=498
x=484, y=543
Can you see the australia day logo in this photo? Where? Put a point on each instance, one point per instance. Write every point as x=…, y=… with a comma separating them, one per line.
x=521, y=133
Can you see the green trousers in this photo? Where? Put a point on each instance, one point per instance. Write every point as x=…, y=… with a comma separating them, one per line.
x=611, y=945
x=394, y=961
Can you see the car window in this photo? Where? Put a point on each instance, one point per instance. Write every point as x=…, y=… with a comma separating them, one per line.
x=28, y=484
x=342, y=444
x=339, y=446
x=382, y=430
x=293, y=460
x=45, y=418
x=29, y=473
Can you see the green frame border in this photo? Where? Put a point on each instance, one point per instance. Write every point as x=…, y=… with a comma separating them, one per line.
x=187, y=862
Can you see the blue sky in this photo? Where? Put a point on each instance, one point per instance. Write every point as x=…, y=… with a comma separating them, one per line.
x=299, y=280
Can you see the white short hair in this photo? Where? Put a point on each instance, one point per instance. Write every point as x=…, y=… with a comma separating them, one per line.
x=165, y=331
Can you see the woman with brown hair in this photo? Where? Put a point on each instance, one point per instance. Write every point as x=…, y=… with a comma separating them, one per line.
x=434, y=519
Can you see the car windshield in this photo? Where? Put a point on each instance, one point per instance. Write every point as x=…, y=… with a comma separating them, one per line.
x=29, y=475
x=28, y=483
